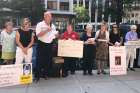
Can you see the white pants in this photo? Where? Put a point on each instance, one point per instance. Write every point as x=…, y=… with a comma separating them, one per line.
x=130, y=56
x=20, y=56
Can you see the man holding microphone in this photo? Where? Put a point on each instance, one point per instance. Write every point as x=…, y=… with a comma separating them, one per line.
x=45, y=32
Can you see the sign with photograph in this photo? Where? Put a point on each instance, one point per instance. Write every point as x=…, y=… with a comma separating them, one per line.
x=117, y=56
x=70, y=48
x=15, y=74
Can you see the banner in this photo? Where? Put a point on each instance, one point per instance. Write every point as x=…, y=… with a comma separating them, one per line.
x=135, y=43
x=70, y=48
x=15, y=74
x=117, y=57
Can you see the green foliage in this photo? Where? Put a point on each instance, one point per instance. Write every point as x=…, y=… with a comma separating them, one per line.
x=81, y=14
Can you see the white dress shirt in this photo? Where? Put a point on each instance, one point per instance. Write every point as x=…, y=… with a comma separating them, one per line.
x=49, y=36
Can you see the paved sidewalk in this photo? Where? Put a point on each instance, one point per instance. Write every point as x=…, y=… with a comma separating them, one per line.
x=82, y=84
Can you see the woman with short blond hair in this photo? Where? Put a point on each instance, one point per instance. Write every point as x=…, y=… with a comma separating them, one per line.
x=24, y=40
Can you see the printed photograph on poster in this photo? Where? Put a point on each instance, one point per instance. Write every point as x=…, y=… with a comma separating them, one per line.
x=117, y=60
x=15, y=74
x=26, y=69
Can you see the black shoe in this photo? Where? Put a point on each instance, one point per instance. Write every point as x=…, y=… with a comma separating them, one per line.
x=73, y=72
x=90, y=73
x=36, y=80
x=4, y=63
x=64, y=75
x=46, y=77
x=132, y=69
x=103, y=72
x=84, y=73
x=98, y=73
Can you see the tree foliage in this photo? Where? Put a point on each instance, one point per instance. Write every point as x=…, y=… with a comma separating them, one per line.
x=81, y=14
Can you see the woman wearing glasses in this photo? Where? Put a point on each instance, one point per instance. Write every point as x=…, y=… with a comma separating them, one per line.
x=131, y=36
x=115, y=38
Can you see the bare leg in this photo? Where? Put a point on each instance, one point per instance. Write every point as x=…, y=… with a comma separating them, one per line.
x=99, y=66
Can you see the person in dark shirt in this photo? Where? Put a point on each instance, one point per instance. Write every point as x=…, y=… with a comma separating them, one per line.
x=89, y=49
x=24, y=40
x=115, y=38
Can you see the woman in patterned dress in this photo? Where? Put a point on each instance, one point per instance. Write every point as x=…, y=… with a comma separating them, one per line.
x=102, y=39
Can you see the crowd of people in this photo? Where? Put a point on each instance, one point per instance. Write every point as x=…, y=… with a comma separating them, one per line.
x=18, y=46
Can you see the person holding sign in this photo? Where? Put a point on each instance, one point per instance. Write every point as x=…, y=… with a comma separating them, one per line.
x=131, y=36
x=89, y=49
x=8, y=42
x=69, y=62
x=46, y=33
x=25, y=41
x=115, y=39
x=102, y=39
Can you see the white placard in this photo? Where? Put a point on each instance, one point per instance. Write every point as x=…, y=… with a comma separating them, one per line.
x=70, y=48
x=15, y=74
x=117, y=57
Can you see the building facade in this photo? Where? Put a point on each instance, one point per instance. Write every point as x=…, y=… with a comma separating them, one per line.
x=62, y=11
x=132, y=13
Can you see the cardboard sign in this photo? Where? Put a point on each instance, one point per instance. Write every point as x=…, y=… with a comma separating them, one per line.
x=117, y=60
x=70, y=48
x=15, y=74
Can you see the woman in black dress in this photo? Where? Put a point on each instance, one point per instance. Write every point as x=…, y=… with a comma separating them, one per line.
x=115, y=38
x=89, y=49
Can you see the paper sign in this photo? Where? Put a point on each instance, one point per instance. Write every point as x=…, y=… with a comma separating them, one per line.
x=15, y=74
x=70, y=48
x=117, y=60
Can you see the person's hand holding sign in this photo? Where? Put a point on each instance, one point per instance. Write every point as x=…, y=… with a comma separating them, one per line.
x=90, y=41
